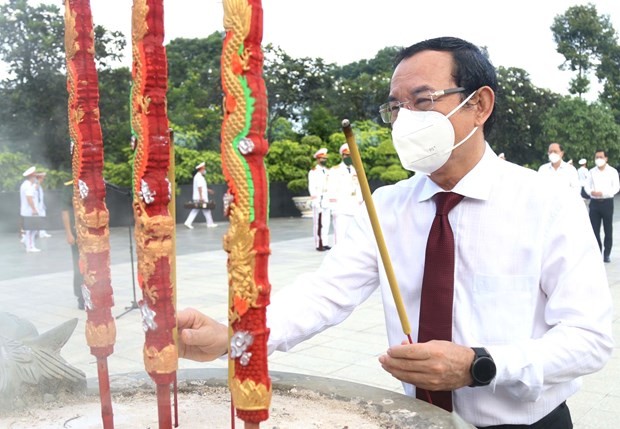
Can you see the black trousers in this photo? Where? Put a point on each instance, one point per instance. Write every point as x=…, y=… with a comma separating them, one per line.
x=556, y=419
x=602, y=210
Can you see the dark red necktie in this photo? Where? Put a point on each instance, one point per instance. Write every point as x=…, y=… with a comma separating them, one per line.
x=438, y=287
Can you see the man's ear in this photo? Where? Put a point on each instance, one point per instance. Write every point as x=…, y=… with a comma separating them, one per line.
x=484, y=103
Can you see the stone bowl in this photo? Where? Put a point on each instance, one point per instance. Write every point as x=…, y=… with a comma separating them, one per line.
x=299, y=401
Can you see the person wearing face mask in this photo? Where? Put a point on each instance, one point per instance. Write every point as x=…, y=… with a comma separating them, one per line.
x=200, y=195
x=558, y=170
x=602, y=186
x=499, y=274
x=317, y=187
x=344, y=193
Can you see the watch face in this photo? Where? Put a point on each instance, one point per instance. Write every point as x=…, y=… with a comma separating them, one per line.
x=484, y=369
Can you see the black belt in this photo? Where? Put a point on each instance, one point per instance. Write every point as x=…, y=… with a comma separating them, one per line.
x=559, y=418
x=600, y=200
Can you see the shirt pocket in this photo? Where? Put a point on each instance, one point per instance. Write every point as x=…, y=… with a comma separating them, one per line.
x=503, y=308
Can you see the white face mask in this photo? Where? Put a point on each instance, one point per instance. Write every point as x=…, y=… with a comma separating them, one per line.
x=424, y=140
x=600, y=162
x=554, y=157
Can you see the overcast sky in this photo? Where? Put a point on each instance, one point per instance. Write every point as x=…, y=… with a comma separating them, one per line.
x=516, y=33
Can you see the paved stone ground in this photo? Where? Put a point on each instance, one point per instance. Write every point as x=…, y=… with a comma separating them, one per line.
x=38, y=287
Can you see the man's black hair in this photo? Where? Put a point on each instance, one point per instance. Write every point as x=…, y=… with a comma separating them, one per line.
x=472, y=68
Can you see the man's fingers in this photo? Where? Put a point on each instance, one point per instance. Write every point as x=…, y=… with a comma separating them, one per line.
x=188, y=318
x=410, y=351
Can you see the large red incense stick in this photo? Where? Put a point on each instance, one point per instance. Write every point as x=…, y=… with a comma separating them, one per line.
x=91, y=213
x=247, y=242
x=154, y=229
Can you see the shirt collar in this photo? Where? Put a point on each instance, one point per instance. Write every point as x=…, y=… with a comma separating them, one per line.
x=475, y=184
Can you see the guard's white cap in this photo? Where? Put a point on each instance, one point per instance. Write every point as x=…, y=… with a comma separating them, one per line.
x=344, y=149
x=582, y=161
x=199, y=166
x=29, y=172
x=321, y=153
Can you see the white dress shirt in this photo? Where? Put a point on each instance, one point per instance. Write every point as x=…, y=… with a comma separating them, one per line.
x=605, y=181
x=565, y=173
x=530, y=285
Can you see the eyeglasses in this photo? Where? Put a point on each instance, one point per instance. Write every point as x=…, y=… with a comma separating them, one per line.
x=424, y=102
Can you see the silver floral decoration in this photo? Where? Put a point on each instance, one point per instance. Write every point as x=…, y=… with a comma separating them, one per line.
x=145, y=192
x=239, y=343
x=148, y=317
x=169, y=189
x=72, y=147
x=88, y=302
x=245, y=358
x=83, y=187
x=246, y=146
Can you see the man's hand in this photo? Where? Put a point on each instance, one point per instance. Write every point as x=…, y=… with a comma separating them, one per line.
x=200, y=337
x=435, y=365
x=597, y=194
x=70, y=238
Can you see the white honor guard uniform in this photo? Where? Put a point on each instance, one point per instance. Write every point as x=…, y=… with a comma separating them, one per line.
x=200, y=193
x=321, y=214
x=28, y=207
x=345, y=194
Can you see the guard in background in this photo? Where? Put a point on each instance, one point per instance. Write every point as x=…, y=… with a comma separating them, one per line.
x=321, y=213
x=345, y=194
x=200, y=195
x=28, y=208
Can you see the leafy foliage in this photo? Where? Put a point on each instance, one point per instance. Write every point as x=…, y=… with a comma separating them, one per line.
x=591, y=127
x=582, y=37
x=34, y=96
x=307, y=97
x=195, y=91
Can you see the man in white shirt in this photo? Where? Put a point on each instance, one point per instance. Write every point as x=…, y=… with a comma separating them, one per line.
x=28, y=208
x=344, y=192
x=532, y=310
x=560, y=170
x=321, y=214
x=602, y=187
x=200, y=195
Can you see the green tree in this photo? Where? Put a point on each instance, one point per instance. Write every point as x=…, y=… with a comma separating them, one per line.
x=609, y=73
x=287, y=161
x=34, y=95
x=114, y=90
x=195, y=91
x=519, y=111
x=582, y=36
x=294, y=84
x=581, y=128
x=281, y=129
x=321, y=122
x=361, y=87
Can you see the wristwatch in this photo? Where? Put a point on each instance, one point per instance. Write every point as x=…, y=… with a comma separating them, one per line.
x=483, y=368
